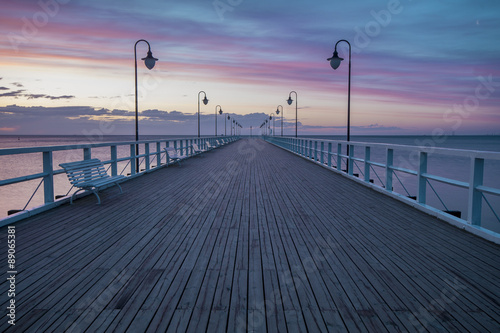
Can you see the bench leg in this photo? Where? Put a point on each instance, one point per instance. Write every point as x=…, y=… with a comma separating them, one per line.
x=71, y=199
x=97, y=195
x=121, y=191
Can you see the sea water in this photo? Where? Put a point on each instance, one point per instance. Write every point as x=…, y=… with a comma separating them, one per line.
x=439, y=195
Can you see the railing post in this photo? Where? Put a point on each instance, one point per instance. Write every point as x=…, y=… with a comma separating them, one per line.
x=158, y=154
x=114, y=162
x=475, y=196
x=146, y=152
x=330, y=154
x=367, y=164
x=167, y=159
x=421, y=179
x=321, y=154
x=350, y=163
x=181, y=148
x=315, y=150
x=339, y=156
x=388, y=169
x=48, y=178
x=133, y=171
x=87, y=154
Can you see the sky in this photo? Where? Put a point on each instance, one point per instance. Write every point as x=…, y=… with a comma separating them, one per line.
x=418, y=66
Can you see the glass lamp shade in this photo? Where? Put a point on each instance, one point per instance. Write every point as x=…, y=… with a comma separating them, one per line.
x=220, y=111
x=277, y=111
x=228, y=117
x=150, y=61
x=205, y=100
x=289, y=100
x=335, y=60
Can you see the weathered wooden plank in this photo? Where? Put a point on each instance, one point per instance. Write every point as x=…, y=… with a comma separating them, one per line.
x=238, y=308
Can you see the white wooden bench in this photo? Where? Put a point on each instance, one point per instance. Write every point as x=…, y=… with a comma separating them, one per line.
x=196, y=150
x=173, y=156
x=209, y=146
x=90, y=175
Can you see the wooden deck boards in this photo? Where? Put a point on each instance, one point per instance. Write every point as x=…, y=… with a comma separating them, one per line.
x=249, y=238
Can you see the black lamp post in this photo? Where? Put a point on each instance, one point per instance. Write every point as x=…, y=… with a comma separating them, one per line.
x=335, y=63
x=149, y=61
x=225, y=127
x=271, y=118
x=289, y=101
x=220, y=112
x=277, y=113
x=205, y=101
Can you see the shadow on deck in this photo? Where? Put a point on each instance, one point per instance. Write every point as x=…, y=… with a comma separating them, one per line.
x=249, y=237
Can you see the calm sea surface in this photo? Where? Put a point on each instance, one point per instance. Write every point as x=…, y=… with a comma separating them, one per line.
x=450, y=198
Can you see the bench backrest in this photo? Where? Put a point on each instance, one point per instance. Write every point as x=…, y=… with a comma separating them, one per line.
x=84, y=171
x=195, y=147
x=208, y=144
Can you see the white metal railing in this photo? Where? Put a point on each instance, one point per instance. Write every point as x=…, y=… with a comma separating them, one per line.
x=333, y=154
x=148, y=155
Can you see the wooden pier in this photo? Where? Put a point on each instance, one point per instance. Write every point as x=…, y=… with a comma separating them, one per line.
x=248, y=237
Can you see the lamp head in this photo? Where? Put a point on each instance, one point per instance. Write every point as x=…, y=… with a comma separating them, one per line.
x=335, y=60
x=277, y=111
x=228, y=117
x=220, y=111
x=150, y=61
x=289, y=100
x=205, y=100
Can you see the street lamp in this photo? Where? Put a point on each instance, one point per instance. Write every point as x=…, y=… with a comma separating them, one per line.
x=225, y=127
x=335, y=63
x=205, y=101
x=220, y=112
x=149, y=61
x=271, y=118
x=289, y=101
x=277, y=113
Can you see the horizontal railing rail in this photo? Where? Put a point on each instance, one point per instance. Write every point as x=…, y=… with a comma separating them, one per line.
x=49, y=170
x=333, y=154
